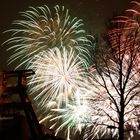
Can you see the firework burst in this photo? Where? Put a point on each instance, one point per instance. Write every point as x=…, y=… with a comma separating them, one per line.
x=58, y=75
x=41, y=29
x=72, y=117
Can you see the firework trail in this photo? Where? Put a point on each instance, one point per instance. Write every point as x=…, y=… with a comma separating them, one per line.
x=125, y=35
x=40, y=29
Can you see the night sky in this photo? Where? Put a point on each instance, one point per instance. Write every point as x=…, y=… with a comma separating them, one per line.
x=95, y=14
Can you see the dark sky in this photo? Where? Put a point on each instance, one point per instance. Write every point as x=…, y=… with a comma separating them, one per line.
x=94, y=13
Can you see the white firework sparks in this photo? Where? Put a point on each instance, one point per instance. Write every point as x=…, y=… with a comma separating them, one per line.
x=58, y=76
x=41, y=29
x=72, y=117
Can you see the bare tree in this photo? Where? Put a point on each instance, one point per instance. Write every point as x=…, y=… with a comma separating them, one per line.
x=115, y=75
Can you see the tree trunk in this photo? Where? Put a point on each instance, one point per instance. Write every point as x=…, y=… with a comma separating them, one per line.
x=121, y=119
x=121, y=128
